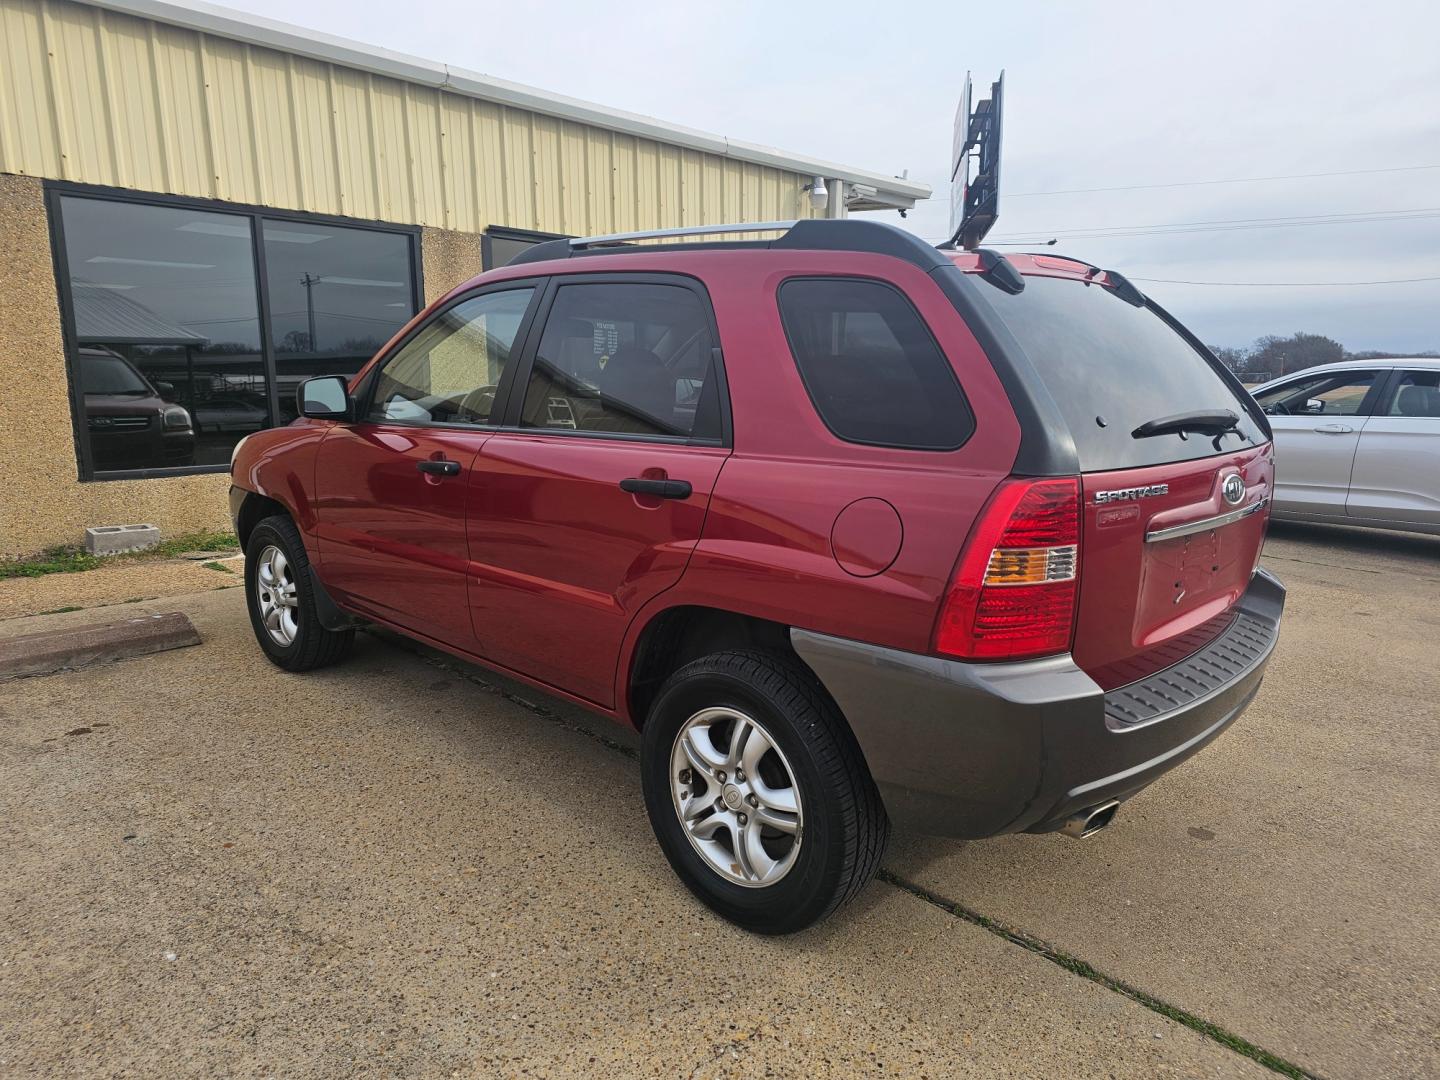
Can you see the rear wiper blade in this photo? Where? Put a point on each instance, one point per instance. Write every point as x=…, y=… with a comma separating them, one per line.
x=1200, y=422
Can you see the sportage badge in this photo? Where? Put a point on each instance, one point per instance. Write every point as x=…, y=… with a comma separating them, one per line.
x=1121, y=494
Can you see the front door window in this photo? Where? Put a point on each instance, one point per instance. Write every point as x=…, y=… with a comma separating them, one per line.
x=1335, y=394
x=450, y=371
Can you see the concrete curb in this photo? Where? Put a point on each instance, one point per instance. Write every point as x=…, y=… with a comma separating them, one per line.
x=81, y=646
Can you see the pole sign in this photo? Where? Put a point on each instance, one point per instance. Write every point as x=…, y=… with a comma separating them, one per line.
x=960, y=158
x=975, y=200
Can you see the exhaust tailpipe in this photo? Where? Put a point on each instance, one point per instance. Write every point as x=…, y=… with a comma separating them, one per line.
x=1091, y=820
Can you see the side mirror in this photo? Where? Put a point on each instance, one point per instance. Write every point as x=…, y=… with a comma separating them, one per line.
x=325, y=397
x=165, y=390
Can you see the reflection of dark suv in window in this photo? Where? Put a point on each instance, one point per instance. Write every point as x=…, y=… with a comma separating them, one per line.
x=131, y=425
x=852, y=529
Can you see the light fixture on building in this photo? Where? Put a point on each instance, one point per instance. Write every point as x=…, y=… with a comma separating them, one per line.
x=819, y=196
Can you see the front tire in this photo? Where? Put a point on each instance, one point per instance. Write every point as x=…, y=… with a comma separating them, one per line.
x=281, y=600
x=758, y=793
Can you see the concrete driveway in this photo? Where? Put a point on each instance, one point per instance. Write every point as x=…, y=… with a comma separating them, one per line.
x=1284, y=884
x=396, y=868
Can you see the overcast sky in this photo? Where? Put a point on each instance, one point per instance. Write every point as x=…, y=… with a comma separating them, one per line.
x=1107, y=95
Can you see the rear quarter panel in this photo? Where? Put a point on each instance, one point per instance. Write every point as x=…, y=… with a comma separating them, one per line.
x=770, y=546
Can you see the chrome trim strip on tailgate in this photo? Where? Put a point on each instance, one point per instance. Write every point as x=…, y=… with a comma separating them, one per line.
x=1206, y=524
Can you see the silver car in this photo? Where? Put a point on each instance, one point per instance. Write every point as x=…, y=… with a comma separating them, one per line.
x=1358, y=443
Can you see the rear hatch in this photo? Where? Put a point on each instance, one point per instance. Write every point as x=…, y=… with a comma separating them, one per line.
x=1167, y=547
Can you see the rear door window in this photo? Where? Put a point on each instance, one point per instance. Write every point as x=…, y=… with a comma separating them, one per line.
x=873, y=372
x=626, y=358
x=1111, y=366
x=1417, y=395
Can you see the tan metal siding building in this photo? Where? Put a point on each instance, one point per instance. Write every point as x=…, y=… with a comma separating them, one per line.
x=163, y=98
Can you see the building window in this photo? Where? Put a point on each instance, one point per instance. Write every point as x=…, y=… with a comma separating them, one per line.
x=336, y=295
x=180, y=348
x=167, y=333
x=498, y=246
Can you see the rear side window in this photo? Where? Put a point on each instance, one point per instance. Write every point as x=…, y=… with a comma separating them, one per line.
x=1110, y=367
x=873, y=372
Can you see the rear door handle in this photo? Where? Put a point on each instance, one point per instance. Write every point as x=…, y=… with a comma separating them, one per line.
x=664, y=489
x=1334, y=429
x=439, y=468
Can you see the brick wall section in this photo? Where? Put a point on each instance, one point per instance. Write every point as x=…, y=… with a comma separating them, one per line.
x=42, y=501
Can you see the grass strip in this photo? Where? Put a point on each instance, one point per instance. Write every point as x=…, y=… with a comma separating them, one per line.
x=73, y=559
x=1079, y=967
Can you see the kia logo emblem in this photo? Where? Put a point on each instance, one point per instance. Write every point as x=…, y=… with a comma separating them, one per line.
x=1233, y=489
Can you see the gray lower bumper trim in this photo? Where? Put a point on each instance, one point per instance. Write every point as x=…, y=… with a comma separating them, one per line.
x=1157, y=764
x=971, y=750
x=957, y=749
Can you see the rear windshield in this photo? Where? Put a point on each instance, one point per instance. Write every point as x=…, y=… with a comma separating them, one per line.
x=1110, y=367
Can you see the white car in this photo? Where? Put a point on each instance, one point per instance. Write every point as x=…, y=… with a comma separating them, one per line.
x=1358, y=443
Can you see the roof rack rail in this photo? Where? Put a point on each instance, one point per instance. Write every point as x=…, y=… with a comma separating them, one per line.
x=577, y=242
x=806, y=234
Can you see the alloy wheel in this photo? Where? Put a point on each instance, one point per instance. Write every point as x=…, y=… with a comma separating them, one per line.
x=736, y=797
x=276, y=596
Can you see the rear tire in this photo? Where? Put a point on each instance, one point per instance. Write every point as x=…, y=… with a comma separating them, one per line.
x=783, y=847
x=281, y=600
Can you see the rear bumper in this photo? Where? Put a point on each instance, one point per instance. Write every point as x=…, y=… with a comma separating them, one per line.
x=972, y=750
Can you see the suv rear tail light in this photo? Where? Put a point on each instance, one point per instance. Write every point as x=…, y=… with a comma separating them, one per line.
x=1014, y=592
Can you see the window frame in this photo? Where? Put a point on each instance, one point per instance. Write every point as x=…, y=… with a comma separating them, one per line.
x=974, y=421
x=55, y=190
x=515, y=401
x=364, y=393
x=1381, y=385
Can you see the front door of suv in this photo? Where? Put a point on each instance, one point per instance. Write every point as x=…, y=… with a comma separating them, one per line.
x=590, y=501
x=393, y=488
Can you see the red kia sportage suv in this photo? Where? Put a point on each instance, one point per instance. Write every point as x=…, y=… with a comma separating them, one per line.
x=853, y=529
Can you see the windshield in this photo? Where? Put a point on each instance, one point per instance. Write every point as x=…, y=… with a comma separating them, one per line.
x=102, y=374
x=1111, y=367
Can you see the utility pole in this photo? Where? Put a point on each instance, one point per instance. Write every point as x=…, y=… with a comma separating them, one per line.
x=310, y=281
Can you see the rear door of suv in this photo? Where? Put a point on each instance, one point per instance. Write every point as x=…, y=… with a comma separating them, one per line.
x=591, y=498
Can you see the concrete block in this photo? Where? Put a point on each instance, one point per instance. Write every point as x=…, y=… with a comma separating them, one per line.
x=79, y=646
x=113, y=539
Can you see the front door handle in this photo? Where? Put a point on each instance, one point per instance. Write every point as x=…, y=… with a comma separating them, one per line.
x=1334, y=429
x=664, y=489
x=439, y=468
